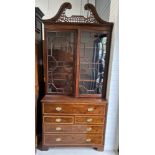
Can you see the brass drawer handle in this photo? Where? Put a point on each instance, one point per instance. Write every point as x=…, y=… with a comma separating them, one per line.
x=89, y=120
x=58, y=120
x=89, y=129
x=90, y=109
x=88, y=140
x=58, y=129
x=58, y=139
x=58, y=108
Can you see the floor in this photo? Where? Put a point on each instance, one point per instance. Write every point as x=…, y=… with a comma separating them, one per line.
x=74, y=151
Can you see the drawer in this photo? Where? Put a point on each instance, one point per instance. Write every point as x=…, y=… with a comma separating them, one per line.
x=58, y=119
x=50, y=128
x=72, y=139
x=89, y=120
x=59, y=108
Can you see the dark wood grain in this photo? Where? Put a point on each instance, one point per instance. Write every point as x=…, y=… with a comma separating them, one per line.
x=39, y=76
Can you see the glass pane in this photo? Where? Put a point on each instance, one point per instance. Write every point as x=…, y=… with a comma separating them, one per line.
x=92, y=62
x=60, y=62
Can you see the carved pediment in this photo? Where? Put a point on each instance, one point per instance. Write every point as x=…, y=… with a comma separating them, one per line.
x=61, y=17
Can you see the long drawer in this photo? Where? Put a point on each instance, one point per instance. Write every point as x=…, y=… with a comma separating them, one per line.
x=72, y=139
x=59, y=108
x=52, y=128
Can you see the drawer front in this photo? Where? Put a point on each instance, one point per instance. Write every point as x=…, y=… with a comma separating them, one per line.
x=58, y=119
x=72, y=139
x=60, y=108
x=89, y=120
x=50, y=128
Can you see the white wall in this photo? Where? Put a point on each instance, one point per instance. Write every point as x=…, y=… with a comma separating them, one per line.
x=112, y=131
x=103, y=9
x=106, y=11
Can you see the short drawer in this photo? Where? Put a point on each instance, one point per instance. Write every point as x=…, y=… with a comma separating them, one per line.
x=58, y=119
x=89, y=120
x=59, y=108
x=72, y=139
x=50, y=128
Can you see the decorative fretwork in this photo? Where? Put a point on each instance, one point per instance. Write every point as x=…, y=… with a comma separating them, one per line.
x=61, y=17
x=77, y=19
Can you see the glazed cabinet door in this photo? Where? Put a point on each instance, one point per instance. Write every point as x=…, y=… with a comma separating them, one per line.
x=92, y=63
x=60, y=62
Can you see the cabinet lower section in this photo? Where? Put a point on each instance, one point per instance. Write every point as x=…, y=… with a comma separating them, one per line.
x=73, y=122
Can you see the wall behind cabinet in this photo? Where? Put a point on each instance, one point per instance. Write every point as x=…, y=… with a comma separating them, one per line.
x=109, y=12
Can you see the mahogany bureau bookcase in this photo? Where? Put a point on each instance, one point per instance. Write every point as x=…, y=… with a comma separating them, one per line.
x=76, y=60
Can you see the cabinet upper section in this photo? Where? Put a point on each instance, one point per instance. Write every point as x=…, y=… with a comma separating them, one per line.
x=76, y=53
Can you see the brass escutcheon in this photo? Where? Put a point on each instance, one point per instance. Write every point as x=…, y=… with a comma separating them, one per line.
x=58, y=108
x=90, y=109
x=58, y=120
